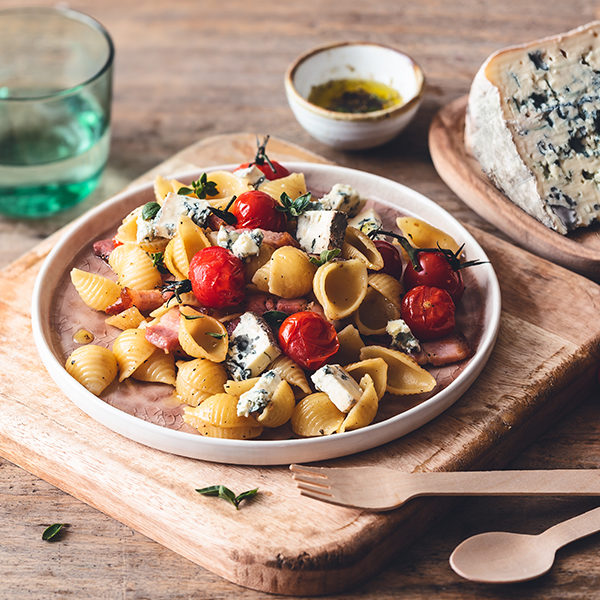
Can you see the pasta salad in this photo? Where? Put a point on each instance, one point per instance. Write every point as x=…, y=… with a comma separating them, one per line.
x=263, y=307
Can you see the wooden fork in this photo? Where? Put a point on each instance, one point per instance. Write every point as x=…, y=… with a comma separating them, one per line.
x=378, y=488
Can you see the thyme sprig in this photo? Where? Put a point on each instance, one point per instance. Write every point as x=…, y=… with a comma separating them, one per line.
x=326, y=256
x=294, y=208
x=227, y=216
x=261, y=154
x=149, y=211
x=177, y=287
x=202, y=187
x=158, y=261
x=223, y=492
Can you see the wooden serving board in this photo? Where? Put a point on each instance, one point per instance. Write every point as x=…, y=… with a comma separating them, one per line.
x=545, y=360
x=579, y=251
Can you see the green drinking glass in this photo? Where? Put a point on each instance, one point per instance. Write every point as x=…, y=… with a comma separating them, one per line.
x=55, y=95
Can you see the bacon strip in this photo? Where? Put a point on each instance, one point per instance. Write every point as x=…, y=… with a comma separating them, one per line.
x=291, y=305
x=446, y=351
x=102, y=248
x=260, y=303
x=165, y=333
x=145, y=300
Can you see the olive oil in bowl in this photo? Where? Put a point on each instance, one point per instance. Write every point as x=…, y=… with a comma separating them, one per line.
x=354, y=96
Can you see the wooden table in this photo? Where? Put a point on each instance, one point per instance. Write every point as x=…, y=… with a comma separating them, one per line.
x=185, y=70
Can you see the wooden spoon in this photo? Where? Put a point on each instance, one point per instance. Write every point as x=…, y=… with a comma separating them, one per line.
x=502, y=557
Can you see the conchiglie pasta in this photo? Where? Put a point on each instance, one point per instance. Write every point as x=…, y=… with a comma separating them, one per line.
x=163, y=186
x=237, y=388
x=96, y=291
x=198, y=379
x=340, y=287
x=228, y=185
x=360, y=246
x=95, y=367
x=290, y=273
x=404, y=375
x=255, y=261
x=127, y=231
x=291, y=372
x=423, y=235
x=159, y=367
x=279, y=410
x=373, y=314
x=293, y=185
x=377, y=370
x=364, y=411
x=316, y=415
x=131, y=349
x=389, y=287
x=130, y=318
x=180, y=250
x=202, y=336
x=134, y=267
x=350, y=345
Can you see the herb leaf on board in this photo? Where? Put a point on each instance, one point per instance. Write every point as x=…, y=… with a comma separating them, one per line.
x=225, y=493
x=51, y=534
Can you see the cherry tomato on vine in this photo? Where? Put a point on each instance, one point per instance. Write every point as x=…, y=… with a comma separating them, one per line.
x=217, y=277
x=308, y=339
x=258, y=209
x=392, y=262
x=428, y=311
x=270, y=168
x=436, y=271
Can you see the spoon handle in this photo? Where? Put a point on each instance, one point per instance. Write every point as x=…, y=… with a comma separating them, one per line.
x=573, y=529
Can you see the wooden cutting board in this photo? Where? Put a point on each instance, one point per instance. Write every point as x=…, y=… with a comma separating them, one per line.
x=545, y=360
x=579, y=251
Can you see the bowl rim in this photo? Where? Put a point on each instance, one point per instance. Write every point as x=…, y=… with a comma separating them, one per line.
x=376, y=115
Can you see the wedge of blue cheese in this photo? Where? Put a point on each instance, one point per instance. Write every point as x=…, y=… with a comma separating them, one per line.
x=241, y=243
x=402, y=336
x=255, y=400
x=337, y=383
x=367, y=221
x=164, y=224
x=342, y=197
x=252, y=348
x=251, y=175
x=320, y=230
x=533, y=122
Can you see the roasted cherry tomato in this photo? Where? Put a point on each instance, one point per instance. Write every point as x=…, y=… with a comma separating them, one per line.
x=428, y=311
x=436, y=271
x=308, y=339
x=270, y=168
x=258, y=209
x=217, y=277
x=392, y=263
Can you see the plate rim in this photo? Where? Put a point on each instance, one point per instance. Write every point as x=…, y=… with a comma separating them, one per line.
x=93, y=404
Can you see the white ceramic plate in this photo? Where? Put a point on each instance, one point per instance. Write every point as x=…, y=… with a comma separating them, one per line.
x=386, y=193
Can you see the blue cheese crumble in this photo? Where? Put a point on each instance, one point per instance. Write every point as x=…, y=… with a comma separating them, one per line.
x=337, y=383
x=255, y=400
x=402, y=337
x=241, y=243
x=342, y=197
x=367, y=221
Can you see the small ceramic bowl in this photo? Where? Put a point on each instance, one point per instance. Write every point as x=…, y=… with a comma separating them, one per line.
x=354, y=60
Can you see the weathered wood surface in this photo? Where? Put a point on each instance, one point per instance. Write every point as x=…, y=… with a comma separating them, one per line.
x=185, y=70
x=579, y=251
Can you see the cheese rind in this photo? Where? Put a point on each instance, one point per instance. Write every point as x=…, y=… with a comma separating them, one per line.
x=320, y=230
x=533, y=122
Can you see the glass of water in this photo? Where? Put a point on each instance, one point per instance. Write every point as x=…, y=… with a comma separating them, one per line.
x=55, y=94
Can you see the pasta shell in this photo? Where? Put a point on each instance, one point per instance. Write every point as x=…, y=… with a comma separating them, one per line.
x=360, y=246
x=364, y=411
x=130, y=318
x=261, y=277
x=96, y=291
x=95, y=367
x=373, y=314
x=290, y=273
x=291, y=372
x=389, y=287
x=377, y=370
x=279, y=410
x=350, y=345
x=316, y=415
x=158, y=368
x=340, y=287
x=255, y=261
x=293, y=185
x=231, y=433
x=127, y=231
x=198, y=379
x=202, y=336
x=405, y=376
x=228, y=185
x=134, y=267
x=237, y=388
x=423, y=235
x=163, y=186
x=180, y=250
x=131, y=349
x=220, y=410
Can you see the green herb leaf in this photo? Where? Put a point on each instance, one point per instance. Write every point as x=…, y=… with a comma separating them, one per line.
x=177, y=287
x=50, y=533
x=294, y=208
x=275, y=318
x=184, y=191
x=221, y=491
x=326, y=256
x=158, y=261
x=218, y=336
x=192, y=317
x=201, y=187
x=149, y=211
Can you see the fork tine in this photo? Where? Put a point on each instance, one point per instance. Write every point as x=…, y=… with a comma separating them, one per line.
x=317, y=492
x=316, y=481
x=315, y=487
x=316, y=471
